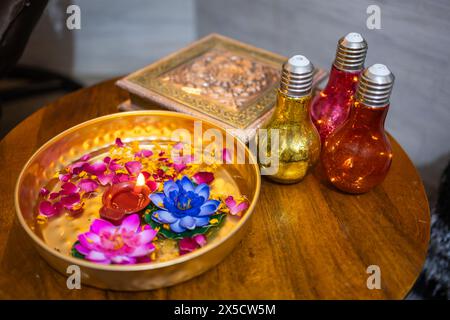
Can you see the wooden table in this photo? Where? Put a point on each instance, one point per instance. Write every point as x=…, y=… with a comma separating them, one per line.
x=306, y=240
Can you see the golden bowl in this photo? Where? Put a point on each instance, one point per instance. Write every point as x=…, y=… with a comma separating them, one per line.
x=98, y=134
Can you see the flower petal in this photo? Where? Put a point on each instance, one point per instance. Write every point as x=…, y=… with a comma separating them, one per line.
x=142, y=250
x=89, y=240
x=44, y=192
x=114, y=166
x=230, y=202
x=164, y=216
x=119, y=142
x=203, y=177
x=152, y=185
x=133, y=167
x=186, y=184
x=96, y=256
x=100, y=225
x=81, y=249
x=96, y=168
x=105, y=179
x=200, y=239
x=64, y=177
x=176, y=227
x=88, y=185
x=68, y=188
x=131, y=223
x=70, y=200
x=209, y=207
x=188, y=222
x=47, y=209
x=203, y=191
x=201, y=221
x=187, y=244
x=147, y=235
x=157, y=199
x=170, y=186
x=86, y=157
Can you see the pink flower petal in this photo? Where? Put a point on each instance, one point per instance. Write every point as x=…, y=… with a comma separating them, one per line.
x=152, y=185
x=54, y=195
x=70, y=200
x=144, y=153
x=234, y=207
x=200, y=239
x=203, y=177
x=131, y=223
x=179, y=166
x=230, y=202
x=187, y=245
x=44, y=192
x=100, y=225
x=133, y=167
x=86, y=157
x=64, y=177
x=114, y=166
x=242, y=206
x=77, y=167
x=68, y=188
x=107, y=160
x=96, y=168
x=105, y=179
x=119, y=142
x=121, y=177
x=88, y=185
x=47, y=209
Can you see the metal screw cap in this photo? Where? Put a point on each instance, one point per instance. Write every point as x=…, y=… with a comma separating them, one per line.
x=296, y=76
x=375, y=86
x=351, y=52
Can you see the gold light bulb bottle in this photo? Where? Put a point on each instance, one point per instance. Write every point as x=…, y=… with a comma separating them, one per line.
x=299, y=141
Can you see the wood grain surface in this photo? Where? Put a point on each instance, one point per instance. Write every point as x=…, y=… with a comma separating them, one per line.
x=305, y=241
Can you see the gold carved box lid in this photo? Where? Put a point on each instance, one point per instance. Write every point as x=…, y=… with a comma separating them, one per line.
x=216, y=78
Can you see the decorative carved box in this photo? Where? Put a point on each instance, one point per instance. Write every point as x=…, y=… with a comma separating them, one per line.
x=218, y=79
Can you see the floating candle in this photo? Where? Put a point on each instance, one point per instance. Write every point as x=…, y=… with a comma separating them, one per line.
x=125, y=198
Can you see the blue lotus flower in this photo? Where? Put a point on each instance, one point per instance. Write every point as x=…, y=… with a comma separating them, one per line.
x=183, y=206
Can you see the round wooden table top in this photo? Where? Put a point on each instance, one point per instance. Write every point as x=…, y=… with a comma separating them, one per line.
x=305, y=241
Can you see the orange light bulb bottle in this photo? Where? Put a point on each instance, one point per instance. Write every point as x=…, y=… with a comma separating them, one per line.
x=358, y=155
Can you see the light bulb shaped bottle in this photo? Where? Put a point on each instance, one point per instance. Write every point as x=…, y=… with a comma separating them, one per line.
x=331, y=107
x=298, y=147
x=357, y=156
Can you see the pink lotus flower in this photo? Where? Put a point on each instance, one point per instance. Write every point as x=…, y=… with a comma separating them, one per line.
x=187, y=245
x=124, y=244
x=235, y=208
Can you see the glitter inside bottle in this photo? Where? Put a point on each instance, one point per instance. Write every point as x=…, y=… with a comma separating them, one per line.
x=298, y=148
x=357, y=156
x=331, y=107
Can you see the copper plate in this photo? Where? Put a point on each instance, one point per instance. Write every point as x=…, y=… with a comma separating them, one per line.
x=96, y=135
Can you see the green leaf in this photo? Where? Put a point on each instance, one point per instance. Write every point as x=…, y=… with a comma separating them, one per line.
x=75, y=253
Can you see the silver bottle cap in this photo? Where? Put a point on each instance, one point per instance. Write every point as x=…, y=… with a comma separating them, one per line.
x=296, y=76
x=351, y=52
x=375, y=86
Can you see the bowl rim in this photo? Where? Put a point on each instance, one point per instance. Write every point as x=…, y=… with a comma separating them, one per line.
x=142, y=266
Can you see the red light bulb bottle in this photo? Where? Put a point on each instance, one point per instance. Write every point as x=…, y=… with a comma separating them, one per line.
x=331, y=107
x=357, y=156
